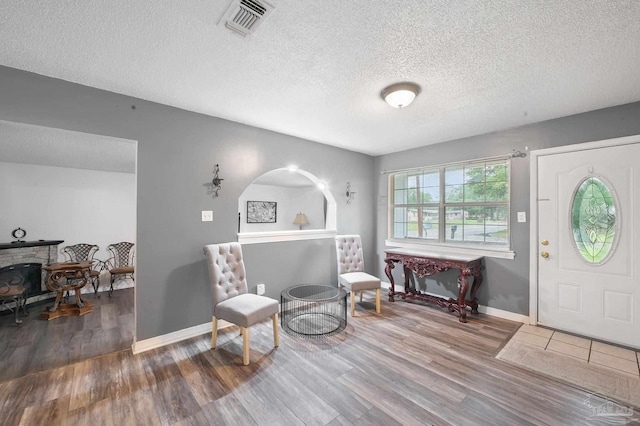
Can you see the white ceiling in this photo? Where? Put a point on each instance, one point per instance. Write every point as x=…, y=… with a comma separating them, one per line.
x=315, y=69
x=46, y=146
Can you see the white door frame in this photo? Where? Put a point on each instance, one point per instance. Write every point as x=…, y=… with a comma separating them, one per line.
x=533, y=207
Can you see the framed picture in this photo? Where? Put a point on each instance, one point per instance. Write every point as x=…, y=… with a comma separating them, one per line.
x=261, y=211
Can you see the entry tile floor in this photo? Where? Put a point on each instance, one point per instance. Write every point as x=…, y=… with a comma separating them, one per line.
x=589, y=351
x=607, y=370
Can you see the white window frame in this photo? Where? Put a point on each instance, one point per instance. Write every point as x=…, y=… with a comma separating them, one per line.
x=441, y=246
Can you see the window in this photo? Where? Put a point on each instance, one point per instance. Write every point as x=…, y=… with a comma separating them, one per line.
x=455, y=204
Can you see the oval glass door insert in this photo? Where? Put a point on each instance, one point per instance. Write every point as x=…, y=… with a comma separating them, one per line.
x=593, y=220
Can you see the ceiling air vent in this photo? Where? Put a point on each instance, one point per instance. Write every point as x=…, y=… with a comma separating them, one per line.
x=244, y=16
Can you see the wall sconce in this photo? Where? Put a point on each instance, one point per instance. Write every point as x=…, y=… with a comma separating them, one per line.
x=300, y=220
x=216, y=183
x=350, y=194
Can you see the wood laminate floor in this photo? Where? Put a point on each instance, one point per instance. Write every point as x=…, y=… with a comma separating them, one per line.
x=410, y=365
x=38, y=345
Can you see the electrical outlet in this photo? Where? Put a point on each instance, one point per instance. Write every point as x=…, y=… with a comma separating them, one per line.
x=260, y=289
x=522, y=217
x=207, y=215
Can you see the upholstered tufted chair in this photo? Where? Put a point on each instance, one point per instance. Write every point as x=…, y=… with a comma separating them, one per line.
x=351, y=273
x=231, y=302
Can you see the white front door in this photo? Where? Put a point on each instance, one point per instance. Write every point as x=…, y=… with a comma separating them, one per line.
x=588, y=245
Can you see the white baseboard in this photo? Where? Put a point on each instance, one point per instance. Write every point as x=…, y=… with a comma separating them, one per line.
x=198, y=330
x=494, y=312
x=512, y=316
x=176, y=336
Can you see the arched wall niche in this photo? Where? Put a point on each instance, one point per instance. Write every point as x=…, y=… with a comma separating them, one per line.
x=294, y=191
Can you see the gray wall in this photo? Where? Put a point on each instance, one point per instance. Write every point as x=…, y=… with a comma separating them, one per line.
x=176, y=153
x=177, y=150
x=506, y=284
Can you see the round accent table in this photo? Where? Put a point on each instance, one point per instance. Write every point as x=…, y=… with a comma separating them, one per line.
x=313, y=310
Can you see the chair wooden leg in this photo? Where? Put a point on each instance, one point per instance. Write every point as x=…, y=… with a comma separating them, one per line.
x=214, y=332
x=361, y=296
x=353, y=303
x=245, y=346
x=276, y=336
x=377, y=301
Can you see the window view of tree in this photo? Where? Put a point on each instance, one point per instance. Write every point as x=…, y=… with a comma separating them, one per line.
x=473, y=200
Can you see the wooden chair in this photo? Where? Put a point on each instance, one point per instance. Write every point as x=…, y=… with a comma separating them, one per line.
x=85, y=252
x=121, y=262
x=231, y=302
x=13, y=289
x=351, y=273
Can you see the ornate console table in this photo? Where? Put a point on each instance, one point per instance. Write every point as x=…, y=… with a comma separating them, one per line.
x=63, y=277
x=429, y=263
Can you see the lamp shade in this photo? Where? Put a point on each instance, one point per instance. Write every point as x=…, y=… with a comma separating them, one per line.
x=300, y=219
x=400, y=95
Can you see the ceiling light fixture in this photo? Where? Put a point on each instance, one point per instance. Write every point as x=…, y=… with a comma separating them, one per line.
x=400, y=95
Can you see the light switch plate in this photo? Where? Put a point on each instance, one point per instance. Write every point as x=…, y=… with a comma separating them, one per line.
x=207, y=215
x=522, y=216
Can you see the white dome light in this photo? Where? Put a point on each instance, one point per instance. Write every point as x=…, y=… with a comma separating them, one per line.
x=400, y=95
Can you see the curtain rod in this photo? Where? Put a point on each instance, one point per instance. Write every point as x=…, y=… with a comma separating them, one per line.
x=513, y=154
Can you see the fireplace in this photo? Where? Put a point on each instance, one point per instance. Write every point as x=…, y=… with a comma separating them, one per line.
x=30, y=273
x=26, y=258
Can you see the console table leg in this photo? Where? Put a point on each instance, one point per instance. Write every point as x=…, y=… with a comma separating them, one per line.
x=477, y=280
x=463, y=286
x=389, y=274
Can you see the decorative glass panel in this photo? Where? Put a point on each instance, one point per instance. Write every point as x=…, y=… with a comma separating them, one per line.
x=593, y=220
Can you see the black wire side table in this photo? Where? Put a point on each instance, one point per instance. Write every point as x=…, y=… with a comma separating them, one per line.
x=313, y=310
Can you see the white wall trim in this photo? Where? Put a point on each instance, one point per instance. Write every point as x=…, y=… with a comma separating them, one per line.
x=533, y=207
x=280, y=236
x=329, y=230
x=499, y=313
x=174, y=337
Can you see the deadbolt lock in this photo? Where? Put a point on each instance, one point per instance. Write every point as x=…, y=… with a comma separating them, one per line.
x=544, y=242
x=544, y=254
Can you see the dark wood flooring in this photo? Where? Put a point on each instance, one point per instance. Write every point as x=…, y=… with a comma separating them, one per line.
x=411, y=365
x=38, y=345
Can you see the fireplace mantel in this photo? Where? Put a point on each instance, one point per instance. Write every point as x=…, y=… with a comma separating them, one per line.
x=4, y=246
x=45, y=251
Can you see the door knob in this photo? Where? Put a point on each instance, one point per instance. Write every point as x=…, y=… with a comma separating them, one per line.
x=544, y=242
x=544, y=254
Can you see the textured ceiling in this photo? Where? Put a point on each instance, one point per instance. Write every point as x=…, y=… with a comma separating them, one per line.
x=45, y=146
x=315, y=69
